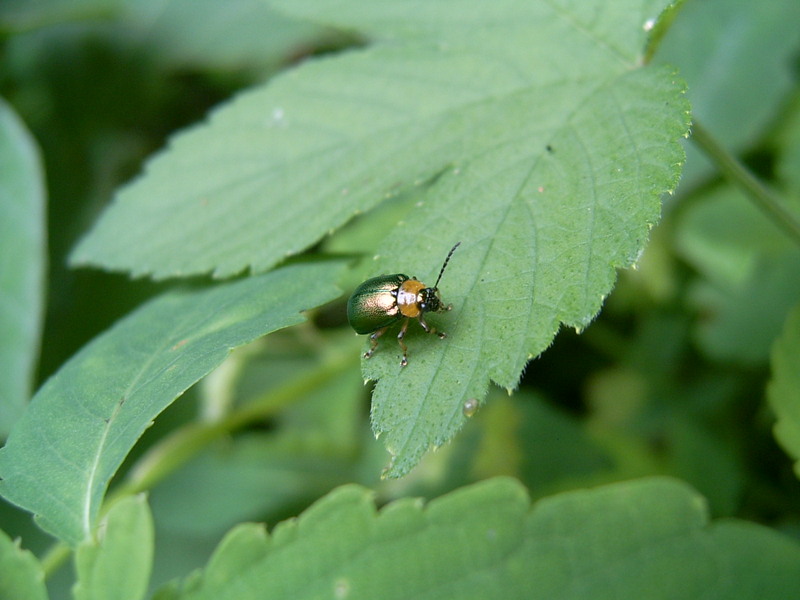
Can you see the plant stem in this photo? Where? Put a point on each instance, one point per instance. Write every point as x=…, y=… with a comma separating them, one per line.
x=769, y=203
x=184, y=443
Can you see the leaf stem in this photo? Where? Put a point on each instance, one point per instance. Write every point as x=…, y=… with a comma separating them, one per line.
x=768, y=202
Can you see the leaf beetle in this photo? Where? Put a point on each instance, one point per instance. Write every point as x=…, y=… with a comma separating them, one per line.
x=381, y=301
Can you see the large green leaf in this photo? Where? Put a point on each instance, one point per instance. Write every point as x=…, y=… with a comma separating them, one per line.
x=84, y=420
x=641, y=539
x=543, y=233
x=784, y=389
x=21, y=575
x=22, y=264
x=116, y=565
x=544, y=144
x=284, y=164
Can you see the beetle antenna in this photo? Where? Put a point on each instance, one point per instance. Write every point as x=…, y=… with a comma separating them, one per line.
x=446, y=260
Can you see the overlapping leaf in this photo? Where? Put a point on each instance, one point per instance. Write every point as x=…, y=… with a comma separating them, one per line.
x=784, y=389
x=643, y=539
x=116, y=564
x=22, y=264
x=85, y=419
x=21, y=575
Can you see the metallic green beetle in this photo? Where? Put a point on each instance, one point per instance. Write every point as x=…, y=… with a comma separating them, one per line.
x=381, y=301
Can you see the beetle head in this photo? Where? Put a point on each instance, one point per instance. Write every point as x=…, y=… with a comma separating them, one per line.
x=429, y=300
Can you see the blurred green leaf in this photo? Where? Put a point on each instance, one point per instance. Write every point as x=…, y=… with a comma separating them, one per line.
x=784, y=389
x=521, y=435
x=556, y=448
x=234, y=35
x=237, y=34
x=22, y=264
x=330, y=414
x=524, y=436
x=116, y=565
x=249, y=477
x=307, y=451
x=22, y=16
x=788, y=166
x=699, y=457
x=82, y=423
x=307, y=448
x=751, y=275
x=648, y=538
x=738, y=72
x=21, y=576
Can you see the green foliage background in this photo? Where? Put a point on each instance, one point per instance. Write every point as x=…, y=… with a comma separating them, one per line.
x=249, y=161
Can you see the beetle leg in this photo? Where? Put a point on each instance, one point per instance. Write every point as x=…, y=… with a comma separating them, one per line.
x=429, y=329
x=400, y=337
x=374, y=341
